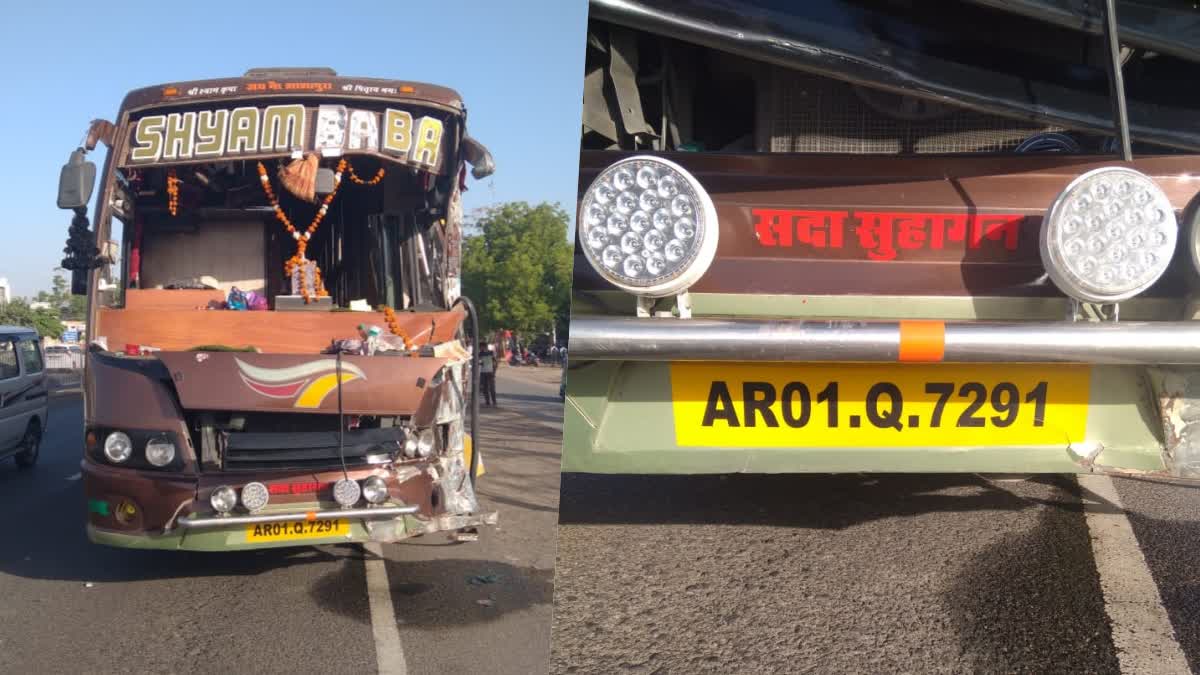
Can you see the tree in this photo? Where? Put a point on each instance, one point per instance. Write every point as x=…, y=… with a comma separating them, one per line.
x=69, y=307
x=517, y=267
x=18, y=313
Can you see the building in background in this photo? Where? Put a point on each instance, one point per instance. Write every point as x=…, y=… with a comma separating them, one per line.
x=5, y=291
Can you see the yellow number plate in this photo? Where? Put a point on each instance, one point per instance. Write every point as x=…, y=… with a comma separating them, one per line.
x=308, y=529
x=877, y=405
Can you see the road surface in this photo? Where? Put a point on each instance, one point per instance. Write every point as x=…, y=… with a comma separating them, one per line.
x=70, y=606
x=820, y=574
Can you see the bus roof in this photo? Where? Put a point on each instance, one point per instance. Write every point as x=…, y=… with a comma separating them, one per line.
x=291, y=82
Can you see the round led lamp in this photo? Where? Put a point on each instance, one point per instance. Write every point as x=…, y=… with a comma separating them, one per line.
x=1193, y=229
x=648, y=226
x=255, y=496
x=346, y=492
x=1109, y=235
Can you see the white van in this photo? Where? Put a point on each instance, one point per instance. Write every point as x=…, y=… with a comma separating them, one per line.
x=23, y=395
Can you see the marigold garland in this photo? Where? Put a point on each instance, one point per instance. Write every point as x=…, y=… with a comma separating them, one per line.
x=374, y=181
x=393, y=324
x=173, y=182
x=302, y=237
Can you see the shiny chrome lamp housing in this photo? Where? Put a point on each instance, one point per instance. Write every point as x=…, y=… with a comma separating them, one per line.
x=1108, y=236
x=649, y=228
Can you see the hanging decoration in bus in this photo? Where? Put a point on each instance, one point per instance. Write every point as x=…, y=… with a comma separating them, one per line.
x=250, y=132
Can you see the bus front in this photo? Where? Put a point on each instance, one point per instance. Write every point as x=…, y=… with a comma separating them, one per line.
x=278, y=350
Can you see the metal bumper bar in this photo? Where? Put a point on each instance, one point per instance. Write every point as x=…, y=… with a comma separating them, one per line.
x=194, y=522
x=667, y=339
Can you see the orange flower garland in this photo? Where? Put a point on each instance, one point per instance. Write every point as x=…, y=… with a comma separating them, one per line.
x=374, y=181
x=173, y=191
x=302, y=237
x=393, y=324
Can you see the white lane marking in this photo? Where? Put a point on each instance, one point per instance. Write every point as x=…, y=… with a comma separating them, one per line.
x=75, y=476
x=389, y=652
x=1141, y=629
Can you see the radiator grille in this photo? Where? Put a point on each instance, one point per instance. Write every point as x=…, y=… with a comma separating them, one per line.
x=814, y=114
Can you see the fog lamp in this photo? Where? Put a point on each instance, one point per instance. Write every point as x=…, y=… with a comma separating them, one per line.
x=126, y=511
x=375, y=490
x=160, y=452
x=648, y=226
x=255, y=496
x=1108, y=236
x=346, y=492
x=223, y=499
x=117, y=447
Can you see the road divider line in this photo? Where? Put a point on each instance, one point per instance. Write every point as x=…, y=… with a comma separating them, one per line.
x=389, y=651
x=1141, y=628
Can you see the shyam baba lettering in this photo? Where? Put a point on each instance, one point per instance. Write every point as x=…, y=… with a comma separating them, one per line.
x=213, y=134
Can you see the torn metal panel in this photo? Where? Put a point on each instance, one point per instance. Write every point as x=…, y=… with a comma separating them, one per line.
x=622, y=69
x=596, y=115
x=1177, y=391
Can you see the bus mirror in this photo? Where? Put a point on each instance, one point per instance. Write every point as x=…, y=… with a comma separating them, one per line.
x=325, y=182
x=76, y=182
x=482, y=164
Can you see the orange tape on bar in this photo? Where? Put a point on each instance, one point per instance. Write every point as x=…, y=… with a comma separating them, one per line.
x=922, y=340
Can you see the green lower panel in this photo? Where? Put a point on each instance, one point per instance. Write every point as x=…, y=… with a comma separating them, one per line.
x=619, y=419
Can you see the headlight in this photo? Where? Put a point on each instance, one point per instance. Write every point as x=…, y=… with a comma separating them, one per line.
x=375, y=490
x=118, y=447
x=410, y=447
x=425, y=443
x=1108, y=236
x=346, y=492
x=223, y=499
x=648, y=226
x=255, y=496
x=160, y=451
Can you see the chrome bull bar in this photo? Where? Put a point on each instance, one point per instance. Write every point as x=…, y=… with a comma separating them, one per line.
x=669, y=339
x=195, y=522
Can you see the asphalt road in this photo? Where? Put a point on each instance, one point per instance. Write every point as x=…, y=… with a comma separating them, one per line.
x=929, y=574
x=70, y=606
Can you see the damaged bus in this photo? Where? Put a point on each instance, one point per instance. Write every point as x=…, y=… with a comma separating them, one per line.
x=283, y=355
x=887, y=236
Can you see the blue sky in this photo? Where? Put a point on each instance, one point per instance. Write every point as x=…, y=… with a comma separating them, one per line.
x=518, y=66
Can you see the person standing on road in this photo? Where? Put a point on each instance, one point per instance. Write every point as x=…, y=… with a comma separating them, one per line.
x=487, y=375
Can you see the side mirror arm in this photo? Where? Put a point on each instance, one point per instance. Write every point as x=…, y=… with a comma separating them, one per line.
x=480, y=158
